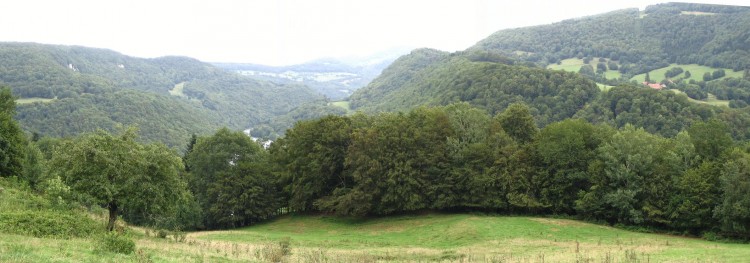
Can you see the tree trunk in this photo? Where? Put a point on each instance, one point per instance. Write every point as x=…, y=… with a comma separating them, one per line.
x=112, y=216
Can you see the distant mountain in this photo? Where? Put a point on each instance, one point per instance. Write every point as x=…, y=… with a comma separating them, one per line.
x=66, y=90
x=335, y=78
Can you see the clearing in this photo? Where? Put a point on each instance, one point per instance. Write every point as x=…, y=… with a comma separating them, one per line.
x=696, y=73
x=32, y=100
x=574, y=65
x=177, y=90
x=342, y=104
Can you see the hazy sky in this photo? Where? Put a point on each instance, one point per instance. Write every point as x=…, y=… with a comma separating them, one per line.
x=278, y=32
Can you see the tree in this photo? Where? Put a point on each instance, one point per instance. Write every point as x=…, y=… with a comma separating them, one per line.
x=710, y=138
x=648, y=78
x=517, y=121
x=12, y=138
x=122, y=175
x=707, y=76
x=734, y=209
x=687, y=74
x=717, y=74
x=601, y=67
x=311, y=160
x=629, y=185
x=231, y=180
x=565, y=150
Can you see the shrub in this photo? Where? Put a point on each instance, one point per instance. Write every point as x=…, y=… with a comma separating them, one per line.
x=115, y=243
x=53, y=224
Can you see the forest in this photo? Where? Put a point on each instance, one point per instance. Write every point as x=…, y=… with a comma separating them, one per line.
x=81, y=89
x=448, y=158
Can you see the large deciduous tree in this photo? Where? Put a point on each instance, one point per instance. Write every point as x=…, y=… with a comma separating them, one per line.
x=122, y=175
x=12, y=139
x=231, y=180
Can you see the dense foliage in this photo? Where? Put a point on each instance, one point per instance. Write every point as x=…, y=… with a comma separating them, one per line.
x=458, y=158
x=140, y=181
x=169, y=98
x=710, y=35
x=159, y=118
x=12, y=139
x=232, y=180
x=482, y=79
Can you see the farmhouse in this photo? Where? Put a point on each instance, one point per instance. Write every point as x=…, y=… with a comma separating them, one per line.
x=655, y=86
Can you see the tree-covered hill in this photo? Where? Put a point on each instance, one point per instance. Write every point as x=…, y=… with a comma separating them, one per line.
x=485, y=80
x=168, y=97
x=711, y=35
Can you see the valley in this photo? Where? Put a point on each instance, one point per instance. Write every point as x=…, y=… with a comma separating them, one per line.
x=536, y=144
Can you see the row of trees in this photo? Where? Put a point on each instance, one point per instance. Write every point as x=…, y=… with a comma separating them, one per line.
x=460, y=158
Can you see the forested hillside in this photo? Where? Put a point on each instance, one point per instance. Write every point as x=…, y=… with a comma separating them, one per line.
x=485, y=80
x=78, y=89
x=711, y=35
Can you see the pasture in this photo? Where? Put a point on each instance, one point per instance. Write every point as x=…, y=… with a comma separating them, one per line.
x=696, y=73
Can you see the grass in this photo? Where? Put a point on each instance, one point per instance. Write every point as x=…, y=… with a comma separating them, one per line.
x=711, y=100
x=32, y=100
x=177, y=90
x=696, y=73
x=574, y=65
x=409, y=238
x=343, y=104
x=477, y=238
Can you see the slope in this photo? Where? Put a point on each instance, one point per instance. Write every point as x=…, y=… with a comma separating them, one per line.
x=485, y=80
x=473, y=238
x=85, y=88
x=710, y=35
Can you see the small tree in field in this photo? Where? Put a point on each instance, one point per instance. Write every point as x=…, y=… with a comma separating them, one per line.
x=120, y=173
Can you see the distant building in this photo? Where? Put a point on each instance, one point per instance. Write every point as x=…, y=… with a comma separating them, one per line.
x=655, y=86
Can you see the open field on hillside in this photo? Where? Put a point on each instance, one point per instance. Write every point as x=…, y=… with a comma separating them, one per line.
x=574, y=65
x=696, y=73
x=342, y=104
x=177, y=90
x=436, y=237
x=431, y=237
x=711, y=100
x=32, y=100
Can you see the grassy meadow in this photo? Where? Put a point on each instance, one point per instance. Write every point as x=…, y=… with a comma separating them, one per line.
x=696, y=73
x=343, y=104
x=32, y=100
x=425, y=237
x=574, y=65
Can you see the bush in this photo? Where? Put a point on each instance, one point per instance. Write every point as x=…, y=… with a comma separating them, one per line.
x=47, y=224
x=115, y=243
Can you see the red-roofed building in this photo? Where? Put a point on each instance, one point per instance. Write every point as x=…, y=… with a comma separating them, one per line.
x=655, y=86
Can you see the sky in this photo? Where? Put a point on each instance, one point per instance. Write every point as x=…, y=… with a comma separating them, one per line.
x=282, y=32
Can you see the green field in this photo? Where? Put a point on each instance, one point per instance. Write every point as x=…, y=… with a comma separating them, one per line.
x=177, y=90
x=696, y=73
x=32, y=100
x=434, y=237
x=711, y=100
x=407, y=238
x=574, y=65
x=342, y=104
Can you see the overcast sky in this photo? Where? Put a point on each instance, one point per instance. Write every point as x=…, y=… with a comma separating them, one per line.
x=278, y=32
